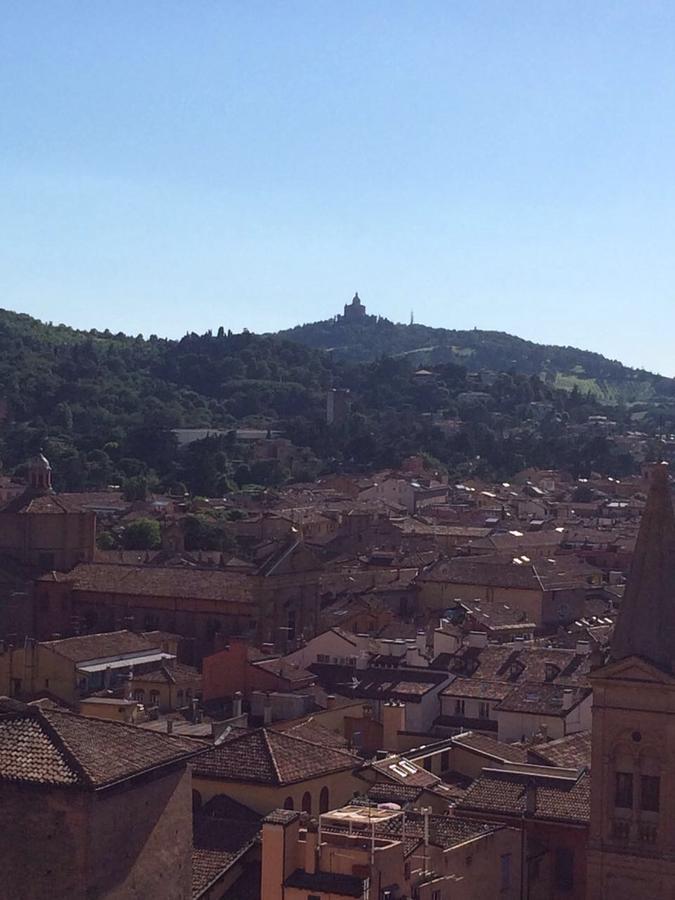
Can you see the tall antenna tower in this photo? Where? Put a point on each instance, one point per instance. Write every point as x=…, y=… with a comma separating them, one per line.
x=412, y=317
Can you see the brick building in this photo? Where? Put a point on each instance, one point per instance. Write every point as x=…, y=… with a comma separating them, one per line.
x=92, y=809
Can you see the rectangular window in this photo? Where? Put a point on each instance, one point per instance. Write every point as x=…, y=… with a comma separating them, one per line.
x=564, y=869
x=483, y=710
x=505, y=869
x=459, y=707
x=427, y=764
x=623, y=796
x=445, y=760
x=322, y=658
x=649, y=793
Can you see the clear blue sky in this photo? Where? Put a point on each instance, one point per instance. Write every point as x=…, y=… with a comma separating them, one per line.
x=172, y=166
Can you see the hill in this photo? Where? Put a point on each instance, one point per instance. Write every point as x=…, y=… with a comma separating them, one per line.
x=367, y=338
x=105, y=406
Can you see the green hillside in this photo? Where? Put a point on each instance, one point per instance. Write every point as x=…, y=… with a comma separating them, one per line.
x=563, y=367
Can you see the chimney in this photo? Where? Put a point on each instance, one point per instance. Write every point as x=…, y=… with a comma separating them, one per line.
x=237, y=704
x=311, y=847
x=280, y=845
x=330, y=701
x=267, y=710
x=195, y=710
x=567, y=698
x=367, y=711
x=393, y=721
x=169, y=726
x=583, y=647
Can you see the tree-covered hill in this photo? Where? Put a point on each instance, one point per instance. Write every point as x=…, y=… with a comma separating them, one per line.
x=564, y=367
x=104, y=407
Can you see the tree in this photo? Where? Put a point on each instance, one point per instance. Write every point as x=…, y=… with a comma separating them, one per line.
x=142, y=534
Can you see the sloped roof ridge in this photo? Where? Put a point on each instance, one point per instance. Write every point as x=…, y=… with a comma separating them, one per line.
x=69, y=756
x=304, y=740
x=170, y=741
x=270, y=750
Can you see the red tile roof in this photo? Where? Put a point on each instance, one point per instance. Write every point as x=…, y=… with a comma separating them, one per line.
x=264, y=756
x=46, y=746
x=100, y=646
x=488, y=746
x=503, y=792
x=161, y=581
x=573, y=751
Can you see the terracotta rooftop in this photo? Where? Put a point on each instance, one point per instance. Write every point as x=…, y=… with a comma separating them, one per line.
x=217, y=846
x=99, y=646
x=168, y=581
x=265, y=756
x=311, y=730
x=444, y=831
x=223, y=832
x=502, y=793
x=572, y=751
x=488, y=746
x=542, y=699
x=170, y=673
x=50, y=747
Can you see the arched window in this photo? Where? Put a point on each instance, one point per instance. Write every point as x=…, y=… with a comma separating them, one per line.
x=154, y=698
x=288, y=803
x=307, y=802
x=324, y=800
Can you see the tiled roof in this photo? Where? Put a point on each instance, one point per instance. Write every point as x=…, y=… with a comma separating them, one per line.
x=502, y=793
x=542, y=699
x=46, y=746
x=175, y=673
x=264, y=756
x=509, y=663
x=482, y=743
x=573, y=751
x=495, y=614
x=311, y=730
x=27, y=754
x=99, y=646
x=161, y=581
x=444, y=830
x=468, y=570
x=475, y=687
x=388, y=792
x=286, y=670
x=217, y=845
x=392, y=769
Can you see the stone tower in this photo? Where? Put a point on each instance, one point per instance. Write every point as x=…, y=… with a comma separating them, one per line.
x=39, y=474
x=632, y=833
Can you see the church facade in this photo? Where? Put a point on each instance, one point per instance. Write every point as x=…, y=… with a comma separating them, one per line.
x=632, y=833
